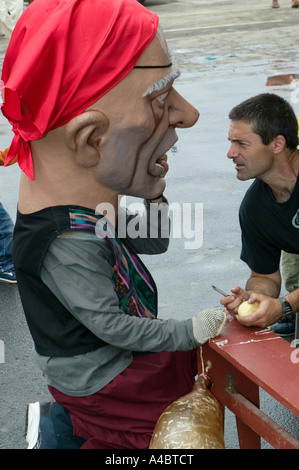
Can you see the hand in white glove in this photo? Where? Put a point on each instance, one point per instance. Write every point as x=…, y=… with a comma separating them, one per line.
x=207, y=324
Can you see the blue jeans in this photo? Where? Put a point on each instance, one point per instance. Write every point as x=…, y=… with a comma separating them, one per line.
x=6, y=232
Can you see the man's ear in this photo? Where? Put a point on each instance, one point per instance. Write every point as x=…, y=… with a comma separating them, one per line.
x=278, y=143
x=83, y=135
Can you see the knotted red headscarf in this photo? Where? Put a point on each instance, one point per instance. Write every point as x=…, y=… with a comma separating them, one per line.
x=62, y=57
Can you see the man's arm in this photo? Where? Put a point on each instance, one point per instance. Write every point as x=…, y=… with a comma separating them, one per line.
x=293, y=299
x=267, y=284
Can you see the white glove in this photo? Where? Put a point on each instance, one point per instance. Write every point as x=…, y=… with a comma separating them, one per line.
x=208, y=324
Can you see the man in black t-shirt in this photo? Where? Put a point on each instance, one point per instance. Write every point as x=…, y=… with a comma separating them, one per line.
x=264, y=138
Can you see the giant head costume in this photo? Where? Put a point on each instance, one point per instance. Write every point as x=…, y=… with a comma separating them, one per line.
x=67, y=56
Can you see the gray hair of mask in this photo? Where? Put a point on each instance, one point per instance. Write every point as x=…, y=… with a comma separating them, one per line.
x=160, y=84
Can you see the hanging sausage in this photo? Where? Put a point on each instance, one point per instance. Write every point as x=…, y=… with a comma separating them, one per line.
x=194, y=421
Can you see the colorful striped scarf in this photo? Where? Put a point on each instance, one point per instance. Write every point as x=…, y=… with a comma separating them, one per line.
x=133, y=283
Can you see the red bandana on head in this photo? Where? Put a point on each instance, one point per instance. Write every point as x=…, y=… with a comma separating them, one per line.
x=62, y=57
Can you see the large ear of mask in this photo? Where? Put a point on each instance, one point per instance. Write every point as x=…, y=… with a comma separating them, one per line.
x=194, y=421
x=63, y=56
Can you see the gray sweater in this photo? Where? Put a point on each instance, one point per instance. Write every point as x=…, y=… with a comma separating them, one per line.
x=78, y=269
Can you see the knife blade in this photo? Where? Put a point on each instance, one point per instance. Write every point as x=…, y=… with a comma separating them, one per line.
x=220, y=291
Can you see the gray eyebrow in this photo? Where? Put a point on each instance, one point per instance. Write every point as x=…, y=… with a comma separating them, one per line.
x=160, y=84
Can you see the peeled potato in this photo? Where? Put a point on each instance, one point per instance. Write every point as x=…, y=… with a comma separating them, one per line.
x=246, y=309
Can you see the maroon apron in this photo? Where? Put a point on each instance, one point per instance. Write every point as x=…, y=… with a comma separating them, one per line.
x=124, y=413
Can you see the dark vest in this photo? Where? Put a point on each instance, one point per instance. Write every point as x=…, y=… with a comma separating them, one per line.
x=55, y=331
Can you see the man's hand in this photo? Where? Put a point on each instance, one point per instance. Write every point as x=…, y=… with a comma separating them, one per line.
x=262, y=288
x=268, y=312
x=232, y=301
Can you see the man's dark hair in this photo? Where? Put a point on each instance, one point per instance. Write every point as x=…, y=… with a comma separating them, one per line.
x=269, y=116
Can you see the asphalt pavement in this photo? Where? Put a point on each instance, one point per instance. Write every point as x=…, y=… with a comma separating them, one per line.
x=225, y=50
